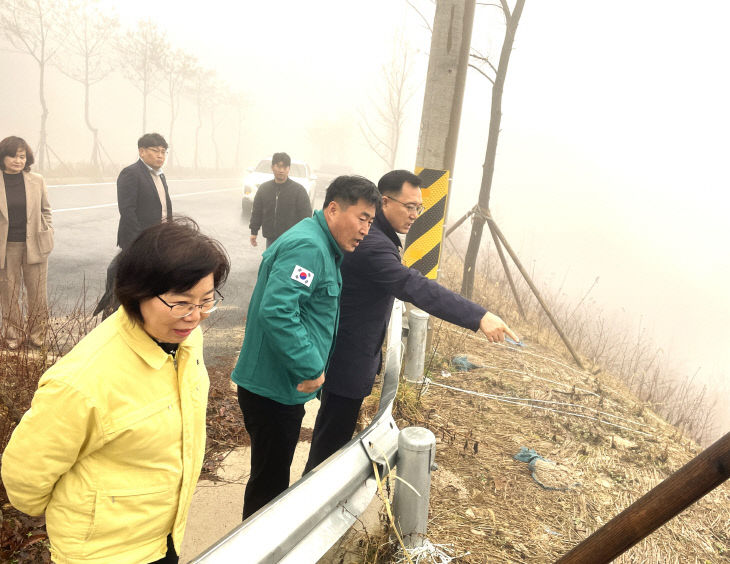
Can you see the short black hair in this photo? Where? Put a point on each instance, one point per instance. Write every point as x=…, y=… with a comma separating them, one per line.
x=392, y=182
x=151, y=140
x=281, y=158
x=10, y=146
x=172, y=256
x=348, y=190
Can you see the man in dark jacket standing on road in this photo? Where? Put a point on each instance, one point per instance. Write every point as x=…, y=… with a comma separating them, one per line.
x=279, y=203
x=290, y=329
x=372, y=277
x=143, y=200
x=142, y=194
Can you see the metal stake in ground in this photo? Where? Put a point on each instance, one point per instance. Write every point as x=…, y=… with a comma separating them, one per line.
x=416, y=345
x=694, y=480
x=416, y=455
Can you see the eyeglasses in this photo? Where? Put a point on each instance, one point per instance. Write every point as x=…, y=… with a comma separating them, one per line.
x=412, y=208
x=184, y=309
x=158, y=150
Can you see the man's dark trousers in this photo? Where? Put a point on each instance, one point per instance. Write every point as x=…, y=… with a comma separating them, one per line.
x=335, y=425
x=274, y=429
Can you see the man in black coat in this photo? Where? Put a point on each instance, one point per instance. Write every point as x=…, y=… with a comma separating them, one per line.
x=143, y=200
x=372, y=277
x=279, y=203
x=142, y=194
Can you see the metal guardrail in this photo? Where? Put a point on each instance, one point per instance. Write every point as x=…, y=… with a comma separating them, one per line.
x=302, y=523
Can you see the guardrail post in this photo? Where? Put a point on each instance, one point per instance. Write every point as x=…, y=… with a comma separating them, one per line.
x=416, y=345
x=416, y=454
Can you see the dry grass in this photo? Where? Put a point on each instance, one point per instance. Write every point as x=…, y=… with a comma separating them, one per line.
x=606, y=345
x=485, y=502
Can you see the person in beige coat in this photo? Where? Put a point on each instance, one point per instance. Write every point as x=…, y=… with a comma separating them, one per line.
x=26, y=240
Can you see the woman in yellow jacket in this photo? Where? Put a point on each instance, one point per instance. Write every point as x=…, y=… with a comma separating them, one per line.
x=113, y=444
x=26, y=240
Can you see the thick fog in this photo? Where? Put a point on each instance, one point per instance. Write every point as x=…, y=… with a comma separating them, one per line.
x=611, y=164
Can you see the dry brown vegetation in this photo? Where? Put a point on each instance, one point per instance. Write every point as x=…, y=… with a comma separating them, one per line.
x=605, y=344
x=612, y=442
x=487, y=503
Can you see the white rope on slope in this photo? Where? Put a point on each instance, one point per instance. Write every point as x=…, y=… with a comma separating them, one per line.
x=563, y=403
x=520, y=402
x=523, y=351
x=583, y=373
x=540, y=378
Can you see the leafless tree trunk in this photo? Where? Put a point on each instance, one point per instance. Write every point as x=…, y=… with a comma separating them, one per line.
x=34, y=27
x=239, y=103
x=143, y=51
x=512, y=19
x=383, y=134
x=180, y=68
x=87, y=60
x=201, y=89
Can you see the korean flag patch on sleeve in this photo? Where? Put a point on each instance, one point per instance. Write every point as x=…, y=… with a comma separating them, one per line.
x=302, y=275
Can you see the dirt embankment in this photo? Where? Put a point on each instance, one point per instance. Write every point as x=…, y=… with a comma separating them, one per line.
x=604, y=450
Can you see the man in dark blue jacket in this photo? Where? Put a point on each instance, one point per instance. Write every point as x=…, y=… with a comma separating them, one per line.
x=372, y=277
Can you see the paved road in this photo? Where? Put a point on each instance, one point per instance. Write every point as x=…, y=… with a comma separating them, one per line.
x=85, y=218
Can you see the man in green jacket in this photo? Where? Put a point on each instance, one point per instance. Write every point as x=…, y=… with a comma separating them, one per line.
x=291, y=328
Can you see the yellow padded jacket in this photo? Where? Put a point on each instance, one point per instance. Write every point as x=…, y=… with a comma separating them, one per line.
x=112, y=446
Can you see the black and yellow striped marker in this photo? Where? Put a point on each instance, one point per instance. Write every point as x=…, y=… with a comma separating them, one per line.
x=423, y=242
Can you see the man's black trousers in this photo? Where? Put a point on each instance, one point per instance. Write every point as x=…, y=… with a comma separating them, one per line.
x=334, y=427
x=274, y=429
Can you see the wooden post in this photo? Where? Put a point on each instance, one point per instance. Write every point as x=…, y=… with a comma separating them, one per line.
x=694, y=480
x=503, y=260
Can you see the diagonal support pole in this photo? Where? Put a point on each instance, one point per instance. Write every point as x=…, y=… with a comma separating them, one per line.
x=503, y=260
x=495, y=229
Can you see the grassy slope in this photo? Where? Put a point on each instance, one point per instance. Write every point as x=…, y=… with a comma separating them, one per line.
x=486, y=502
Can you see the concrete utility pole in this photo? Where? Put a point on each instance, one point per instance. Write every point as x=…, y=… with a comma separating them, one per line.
x=448, y=62
x=447, y=65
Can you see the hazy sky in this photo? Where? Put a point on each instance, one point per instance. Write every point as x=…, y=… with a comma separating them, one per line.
x=613, y=162
x=612, y=157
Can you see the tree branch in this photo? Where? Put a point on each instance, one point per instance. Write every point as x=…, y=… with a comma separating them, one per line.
x=505, y=9
x=477, y=55
x=480, y=71
x=425, y=21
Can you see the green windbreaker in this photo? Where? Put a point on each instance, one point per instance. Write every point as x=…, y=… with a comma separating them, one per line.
x=293, y=315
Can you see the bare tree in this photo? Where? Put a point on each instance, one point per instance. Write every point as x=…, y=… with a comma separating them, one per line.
x=34, y=27
x=383, y=134
x=87, y=59
x=238, y=102
x=218, y=98
x=202, y=88
x=512, y=18
x=180, y=70
x=143, y=51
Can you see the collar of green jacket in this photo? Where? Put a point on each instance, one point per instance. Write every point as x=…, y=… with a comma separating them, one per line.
x=337, y=252
x=142, y=344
